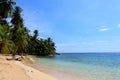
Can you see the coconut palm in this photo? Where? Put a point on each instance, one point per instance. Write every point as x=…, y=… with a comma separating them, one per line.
x=35, y=34
x=6, y=44
x=50, y=46
x=16, y=38
x=33, y=43
x=21, y=40
x=19, y=33
x=17, y=19
x=6, y=7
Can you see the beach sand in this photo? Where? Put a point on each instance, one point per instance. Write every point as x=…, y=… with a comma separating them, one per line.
x=15, y=70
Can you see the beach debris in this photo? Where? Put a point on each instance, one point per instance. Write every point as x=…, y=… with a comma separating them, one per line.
x=18, y=59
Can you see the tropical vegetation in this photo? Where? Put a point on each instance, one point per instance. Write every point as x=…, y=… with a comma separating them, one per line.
x=15, y=37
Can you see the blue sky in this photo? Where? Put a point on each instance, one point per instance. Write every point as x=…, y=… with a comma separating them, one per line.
x=75, y=25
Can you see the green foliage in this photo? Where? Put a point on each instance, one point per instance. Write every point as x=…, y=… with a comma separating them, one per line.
x=16, y=39
x=6, y=7
x=42, y=47
x=17, y=20
x=6, y=44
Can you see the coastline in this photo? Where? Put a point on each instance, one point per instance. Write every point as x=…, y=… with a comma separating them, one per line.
x=16, y=70
x=58, y=74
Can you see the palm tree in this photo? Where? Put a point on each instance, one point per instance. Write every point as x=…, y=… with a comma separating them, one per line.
x=34, y=43
x=16, y=38
x=35, y=34
x=6, y=44
x=6, y=7
x=21, y=40
x=50, y=46
x=46, y=47
x=17, y=20
x=20, y=33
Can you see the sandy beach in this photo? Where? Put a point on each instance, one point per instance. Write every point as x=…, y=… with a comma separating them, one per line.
x=15, y=70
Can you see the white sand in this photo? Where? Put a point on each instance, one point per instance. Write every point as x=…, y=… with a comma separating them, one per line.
x=15, y=70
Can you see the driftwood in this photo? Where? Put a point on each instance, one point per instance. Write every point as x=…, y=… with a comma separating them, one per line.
x=9, y=59
x=18, y=59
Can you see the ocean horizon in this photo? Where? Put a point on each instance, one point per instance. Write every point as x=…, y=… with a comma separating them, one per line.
x=82, y=66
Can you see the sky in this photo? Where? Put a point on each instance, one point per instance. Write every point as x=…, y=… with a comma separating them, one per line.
x=75, y=25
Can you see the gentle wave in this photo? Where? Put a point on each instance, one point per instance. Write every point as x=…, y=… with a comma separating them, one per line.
x=88, y=66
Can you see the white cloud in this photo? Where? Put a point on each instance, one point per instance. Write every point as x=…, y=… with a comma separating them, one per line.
x=95, y=43
x=118, y=25
x=84, y=43
x=67, y=44
x=103, y=28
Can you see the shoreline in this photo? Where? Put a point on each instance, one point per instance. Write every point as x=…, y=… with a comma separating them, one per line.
x=60, y=75
x=35, y=74
x=16, y=70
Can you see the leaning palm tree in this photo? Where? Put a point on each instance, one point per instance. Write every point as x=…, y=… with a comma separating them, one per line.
x=6, y=44
x=6, y=7
x=21, y=40
x=20, y=34
x=17, y=19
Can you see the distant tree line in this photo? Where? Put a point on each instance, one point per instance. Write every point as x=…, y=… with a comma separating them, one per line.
x=15, y=37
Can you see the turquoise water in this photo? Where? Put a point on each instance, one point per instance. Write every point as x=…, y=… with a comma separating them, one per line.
x=82, y=66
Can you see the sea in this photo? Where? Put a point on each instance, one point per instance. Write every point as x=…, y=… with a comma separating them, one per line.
x=81, y=66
